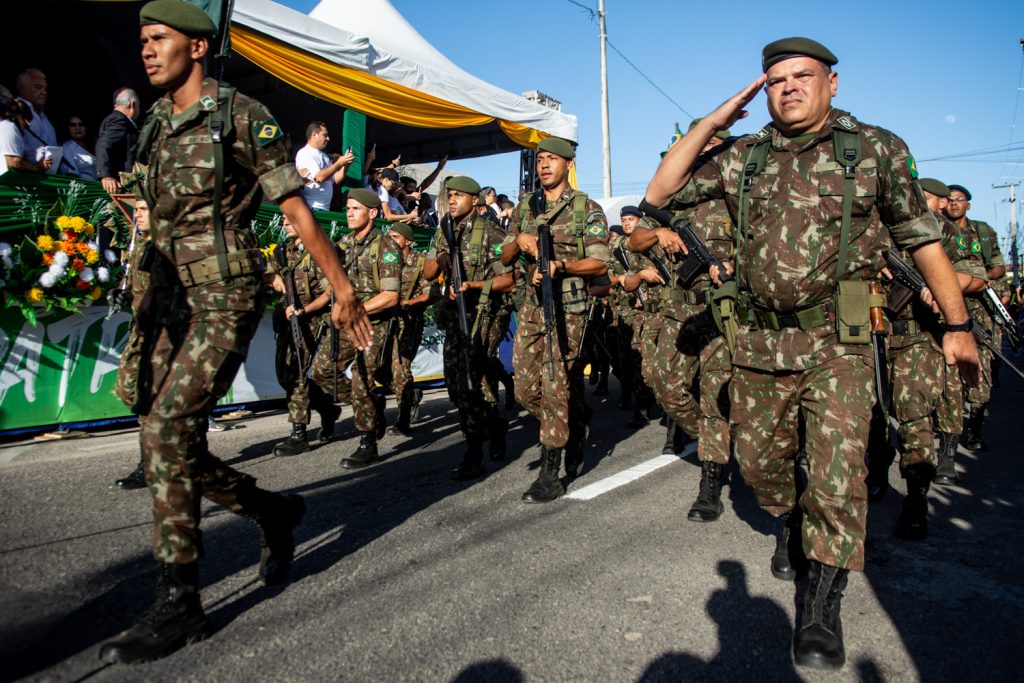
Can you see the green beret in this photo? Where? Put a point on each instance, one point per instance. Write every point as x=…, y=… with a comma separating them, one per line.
x=367, y=198
x=179, y=15
x=934, y=186
x=796, y=47
x=402, y=229
x=558, y=147
x=463, y=183
x=721, y=134
x=960, y=188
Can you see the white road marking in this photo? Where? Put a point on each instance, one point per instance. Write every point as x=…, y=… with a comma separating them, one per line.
x=591, y=491
x=109, y=446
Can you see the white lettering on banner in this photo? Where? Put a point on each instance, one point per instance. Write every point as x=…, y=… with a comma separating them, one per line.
x=73, y=328
x=25, y=350
x=108, y=355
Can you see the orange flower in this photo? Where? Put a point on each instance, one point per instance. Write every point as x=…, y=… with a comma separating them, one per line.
x=89, y=229
x=35, y=295
x=78, y=264
x=83, y=248
x=82, y=284
x=70, y=235
x=70, y=249
x=47, y=259
x=45, y=242
x=96, y=293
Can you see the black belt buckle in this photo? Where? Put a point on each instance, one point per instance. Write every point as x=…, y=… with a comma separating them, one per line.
x=786, y=320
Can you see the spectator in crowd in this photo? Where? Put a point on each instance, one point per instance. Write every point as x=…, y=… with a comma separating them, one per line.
x=5, y=95
x=507, y=208
x=315, y=166
x=491, y=199
x=31, y=85
x=15, y=116
x=115, y=144
x=78, y=160
x=408, y=194
x=385, y=181
x=428, y=216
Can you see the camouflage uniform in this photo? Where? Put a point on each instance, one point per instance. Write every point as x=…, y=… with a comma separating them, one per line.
x=374, y=265
x=984, y=241
x=487, y=318
x=787, y=261
x=202, y=323
x=917, y=367
x=309, y=285
x=136, y=282
x=410, y=331
x=549, y=400
x=625, y=332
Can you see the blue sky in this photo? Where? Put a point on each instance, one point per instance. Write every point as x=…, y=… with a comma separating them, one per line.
x=942, y=75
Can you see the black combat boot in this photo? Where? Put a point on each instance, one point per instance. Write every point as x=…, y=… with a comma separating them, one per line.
x=971, y=439
x=819, y=642
x=472, y=465
x=912, y=524
x=880, y=457
x=788, y=561
x=574, y=456
x=135, y=480
x=294, y=444
x=277, y=515
x=510, y=391
x=670, y=439
x=365, y=455
x=602, y=384
x=175, y=619
x=329, y=417
x=499, y=429
x=402, y=426
x=945, y=473
x=379, y=404
x=414, y=414
x=625, y=402
x=639, y=419
x=708, y=506
x=548, y=487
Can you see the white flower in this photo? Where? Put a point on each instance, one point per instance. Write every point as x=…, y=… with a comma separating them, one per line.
x=110, y=256
x=60, y=259
x=87, y=275
x=5, y=249
x=47, y=280
x=56, y=271
x=92, y=245
x=103, y=274
x=8, y=263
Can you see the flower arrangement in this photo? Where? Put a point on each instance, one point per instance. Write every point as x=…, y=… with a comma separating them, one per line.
x=60, y=267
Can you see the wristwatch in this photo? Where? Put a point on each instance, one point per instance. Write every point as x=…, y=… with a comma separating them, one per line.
x=561, y=268
x=962, y=327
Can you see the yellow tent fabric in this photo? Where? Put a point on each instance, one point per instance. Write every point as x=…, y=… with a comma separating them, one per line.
x=365, y=92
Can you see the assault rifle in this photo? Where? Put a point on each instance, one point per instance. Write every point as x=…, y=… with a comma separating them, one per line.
x=547, y=290
x=1002, y=317
x=455, y=286
x=595, y=335
x=335, y=351
x=699, y=258
x=117, y=299
x=623, y=259
x=906, y=282
x=389, y=338
x=877, y=319
x=292, y=298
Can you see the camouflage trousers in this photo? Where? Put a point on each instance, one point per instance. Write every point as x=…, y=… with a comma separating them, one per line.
x=916, y=369
x=357, y=373
x=557, y=403
x=981, y=394
x=304, y=395
x=192, y=366
x=475, y=397
x=715, y=373
x=671, y=361
x=403, y=352
x=835, y=401
x=949, y=413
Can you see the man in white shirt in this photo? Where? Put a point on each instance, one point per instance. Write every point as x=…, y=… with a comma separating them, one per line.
x=31, y=86
x=317, y=169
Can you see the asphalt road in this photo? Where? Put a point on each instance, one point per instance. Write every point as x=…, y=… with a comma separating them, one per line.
x=403, y=575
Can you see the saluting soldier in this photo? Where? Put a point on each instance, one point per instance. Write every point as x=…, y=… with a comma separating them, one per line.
x=212, y=155
x=984, y=241
x=477, y=253
x=312, y=311
x=813, y=196
x=579, y=232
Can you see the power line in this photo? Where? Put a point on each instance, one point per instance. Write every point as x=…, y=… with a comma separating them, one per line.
x=1016, y=104
x=998, y=149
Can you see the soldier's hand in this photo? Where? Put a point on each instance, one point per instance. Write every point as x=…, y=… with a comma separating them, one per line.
x=651, y=276
x=961, y=350
x=716, y=274
x=277, y=284
x=290, y=312
x=732, y=110
x=527, y=244
x=349, y=315
x=928, y=300
x=670, y=241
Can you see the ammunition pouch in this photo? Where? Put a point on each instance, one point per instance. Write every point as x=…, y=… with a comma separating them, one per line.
x=899, y=297
x=575, y=297
x=208, y=270
x=687, y=296
x=853, y=311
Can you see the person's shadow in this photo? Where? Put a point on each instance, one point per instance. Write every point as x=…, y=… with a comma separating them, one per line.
x=754, y=635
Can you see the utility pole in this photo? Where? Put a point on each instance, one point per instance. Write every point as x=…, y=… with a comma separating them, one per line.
x=1014, y=260
x=605, y=126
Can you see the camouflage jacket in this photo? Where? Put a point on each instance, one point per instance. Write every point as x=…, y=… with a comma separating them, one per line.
x=485, y=264
x=981, y=239
x=559, y=215
x=788, y=255
x=310, y=282
x=413, y=283
x=361, y=260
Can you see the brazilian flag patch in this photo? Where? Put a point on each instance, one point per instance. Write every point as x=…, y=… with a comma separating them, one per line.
x=597, y=230
x=961, y=242
x=976, y=247
x=912, y=165
x=390, y=258
x=266, y=131
x=497, y=249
